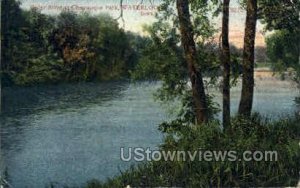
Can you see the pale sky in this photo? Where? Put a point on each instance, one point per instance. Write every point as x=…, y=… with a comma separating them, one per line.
x=135, y=19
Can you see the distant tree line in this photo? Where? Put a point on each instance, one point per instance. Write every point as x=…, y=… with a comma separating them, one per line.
x=39, y=48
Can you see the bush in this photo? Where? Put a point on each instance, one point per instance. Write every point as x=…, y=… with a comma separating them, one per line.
x=43, y=70
x=246, y=134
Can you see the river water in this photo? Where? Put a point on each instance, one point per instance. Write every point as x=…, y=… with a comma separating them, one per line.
x=73, y=133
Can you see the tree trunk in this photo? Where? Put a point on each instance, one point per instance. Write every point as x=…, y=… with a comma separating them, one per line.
x=246, y=102
x=225, y=59
x=188, y=43
x=0, y=87
x=3, y=37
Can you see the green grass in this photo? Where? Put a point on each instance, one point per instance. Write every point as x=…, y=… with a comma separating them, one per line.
x=246, y=134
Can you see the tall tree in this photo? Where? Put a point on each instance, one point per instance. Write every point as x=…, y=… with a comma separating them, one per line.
x=247, y=94
x=225, y=59
x=188, y=43
x=11, y=19
x=0, y=81
x=12, y=22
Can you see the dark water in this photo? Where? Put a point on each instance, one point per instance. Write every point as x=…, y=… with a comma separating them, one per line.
x=73, y=133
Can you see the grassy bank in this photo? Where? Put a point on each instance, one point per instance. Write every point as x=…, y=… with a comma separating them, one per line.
x=256, y=134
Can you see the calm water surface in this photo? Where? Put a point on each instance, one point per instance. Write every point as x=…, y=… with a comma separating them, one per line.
x=73, y=133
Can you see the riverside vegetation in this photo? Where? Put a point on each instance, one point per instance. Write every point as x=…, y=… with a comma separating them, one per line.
x=45, y=49
x=255, y=133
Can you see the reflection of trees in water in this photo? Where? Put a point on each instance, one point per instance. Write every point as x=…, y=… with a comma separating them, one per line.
x=39, y=132
x=19, y=101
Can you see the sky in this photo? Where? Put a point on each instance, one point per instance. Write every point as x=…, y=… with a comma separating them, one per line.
x=136, y=16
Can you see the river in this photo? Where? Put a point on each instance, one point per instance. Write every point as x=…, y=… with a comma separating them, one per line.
x=73, y=133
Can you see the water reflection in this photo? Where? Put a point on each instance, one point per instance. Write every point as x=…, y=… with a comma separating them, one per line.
x=18, y=100
x=75, y=134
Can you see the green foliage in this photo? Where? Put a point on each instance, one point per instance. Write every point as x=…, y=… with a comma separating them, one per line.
x=163, y=60
x=79, y=47
x=42, y=70
x=93, y=48
x=255, y=134
x=283, y=46
x=283, y=50
x=12, y=20
x=279, y=14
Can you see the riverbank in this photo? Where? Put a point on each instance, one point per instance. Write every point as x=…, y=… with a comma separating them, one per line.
x=254, y=135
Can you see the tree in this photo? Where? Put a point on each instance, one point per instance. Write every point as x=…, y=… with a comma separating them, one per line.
x=114, y=46
x=279, y=14
x=245, y=106
x=39, y=48
x=70, y=41
x=12, y=28
x=195, y=75
x=225, y=59
x=283, y=46
x=283, y=50
x=165, y=58
x=1, y=64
